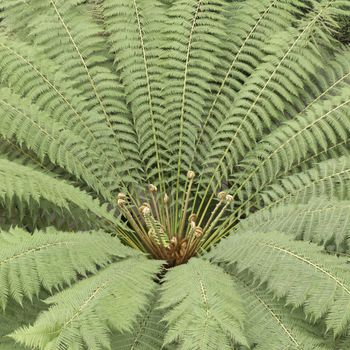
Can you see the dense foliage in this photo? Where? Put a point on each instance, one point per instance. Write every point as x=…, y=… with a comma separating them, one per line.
x=174, y=175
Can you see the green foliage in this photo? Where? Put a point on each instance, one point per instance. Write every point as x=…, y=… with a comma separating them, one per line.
x=320, y=221
x=317, y=281
x=216, y=316
x=148, y=332
x=51, y=260
x=270, y=324
x=81, y=316
x=235, y=117
x=23, y=190
x=15, y=317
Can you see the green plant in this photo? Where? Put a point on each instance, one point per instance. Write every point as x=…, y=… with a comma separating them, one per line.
x=344, y=31
x=174, y=175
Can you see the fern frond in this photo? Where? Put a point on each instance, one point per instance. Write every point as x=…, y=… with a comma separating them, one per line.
x=216, y=315
x=320, y=127
x=172, y=124
x=341, y=148
x=41, y=81
x=134, y=28
x=17, y=15
x=317, y=281
x=321, y=220
x=261, y=101
x=250, y=27
x=80, y=316
x=20, y=154
x=68, y=34
x=327, y=178
x=17, y=316
x=148, y=332
x=36, y=130
x=25, y=187
x=51, y=260
x=271, y=325
x=192, y=50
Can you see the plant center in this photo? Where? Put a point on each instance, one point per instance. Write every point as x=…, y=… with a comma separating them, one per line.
x=165, y=232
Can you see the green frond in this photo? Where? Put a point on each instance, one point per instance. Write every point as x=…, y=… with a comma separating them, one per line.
x=19, y=153
x=148, y=332
x=17, y=316
x=80, y=317
x=22, y=155
x=327, y=178
x=191, y=55
x=216, y=317
x=300, y=272
x=21, y=120
x=315, y=129
x=26, y=189
x=271, y=325
x=341, y=148
x=321, y=220
x=51, y=260
x=167, y=125
x=261, y=101
x=17, y=15
x=134, y=34
x=69, y=35
x=42, y=82
x=250, y=27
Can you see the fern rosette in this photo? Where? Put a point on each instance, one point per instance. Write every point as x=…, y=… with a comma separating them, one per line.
x=174, y=174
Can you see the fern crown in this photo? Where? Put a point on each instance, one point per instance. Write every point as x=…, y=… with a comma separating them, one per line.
x=174, y=174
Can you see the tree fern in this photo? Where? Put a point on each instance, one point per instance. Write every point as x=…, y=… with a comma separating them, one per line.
x=174, y=175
